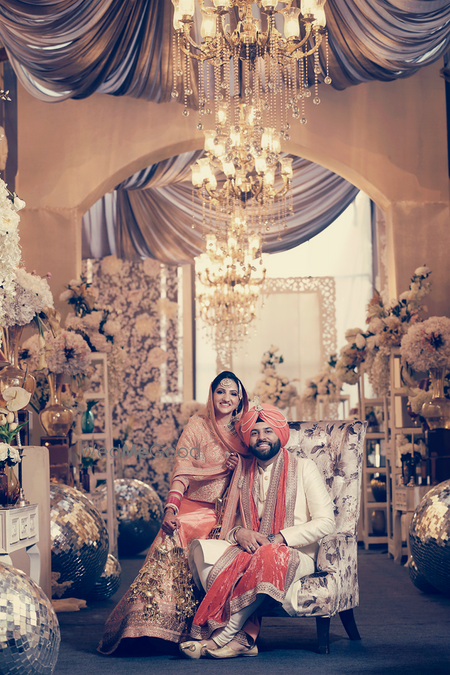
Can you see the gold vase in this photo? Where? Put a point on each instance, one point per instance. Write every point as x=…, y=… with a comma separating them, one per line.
x=56, y=419
x=437, y=411
x=13, y=486
x=9, y=486
x=11, y=375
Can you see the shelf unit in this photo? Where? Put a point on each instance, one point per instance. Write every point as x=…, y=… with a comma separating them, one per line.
x=102, y=441
x=374, y=526
x=401, y=498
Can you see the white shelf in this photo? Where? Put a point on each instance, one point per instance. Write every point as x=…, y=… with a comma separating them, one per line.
x=107, y=443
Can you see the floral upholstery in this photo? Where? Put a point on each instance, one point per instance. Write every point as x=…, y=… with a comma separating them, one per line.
x=336, y=447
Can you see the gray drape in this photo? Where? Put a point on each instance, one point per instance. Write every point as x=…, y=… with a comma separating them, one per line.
x=73, y=48
x=150, y=214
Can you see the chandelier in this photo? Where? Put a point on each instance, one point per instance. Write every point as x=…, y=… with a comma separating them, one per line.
x=228, y=286
x=254, y=64
x=248, y=160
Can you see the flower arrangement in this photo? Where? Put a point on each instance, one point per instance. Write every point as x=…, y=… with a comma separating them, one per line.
x=9, y=456
x=387, y=324
x=68, y=354
x=426, y=345
x=99, y=326
x=326, y=383
x=16, y=398
x=274, y=388
x=10, y=254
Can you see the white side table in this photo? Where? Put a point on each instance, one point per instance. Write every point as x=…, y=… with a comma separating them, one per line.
x=19, y=528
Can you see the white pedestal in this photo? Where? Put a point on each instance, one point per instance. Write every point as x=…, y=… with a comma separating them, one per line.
x=36, y=486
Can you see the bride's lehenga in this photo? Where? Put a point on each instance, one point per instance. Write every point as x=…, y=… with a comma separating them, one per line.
x=162, y=600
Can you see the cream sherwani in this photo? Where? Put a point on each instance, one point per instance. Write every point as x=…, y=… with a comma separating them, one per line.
x=313, y=519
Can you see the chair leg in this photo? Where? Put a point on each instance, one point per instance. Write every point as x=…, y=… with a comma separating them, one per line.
x=323, y=633
x=348, y=621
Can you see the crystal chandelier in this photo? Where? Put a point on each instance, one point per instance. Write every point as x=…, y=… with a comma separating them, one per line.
x=248, y=158
x=228, y=286
x=254, y=64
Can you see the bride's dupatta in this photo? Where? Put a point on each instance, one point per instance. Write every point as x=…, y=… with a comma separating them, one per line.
x=202, y=466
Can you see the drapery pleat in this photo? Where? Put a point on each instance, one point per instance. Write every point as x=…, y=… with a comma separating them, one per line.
x=72, y=48
x=151, y=213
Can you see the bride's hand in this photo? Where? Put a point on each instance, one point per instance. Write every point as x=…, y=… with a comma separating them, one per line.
x=232, y=461
x=170, y=523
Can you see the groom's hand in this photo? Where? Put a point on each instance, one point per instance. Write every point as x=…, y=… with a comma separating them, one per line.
x=249, y=540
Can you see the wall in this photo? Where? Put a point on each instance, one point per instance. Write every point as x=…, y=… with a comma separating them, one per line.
x=388, y=138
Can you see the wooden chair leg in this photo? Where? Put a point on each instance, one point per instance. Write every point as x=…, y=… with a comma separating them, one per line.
x=348, y=621
x=323, y=633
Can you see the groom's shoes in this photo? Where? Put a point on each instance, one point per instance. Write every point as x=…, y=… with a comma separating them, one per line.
x=193, y=649
x=229, y=653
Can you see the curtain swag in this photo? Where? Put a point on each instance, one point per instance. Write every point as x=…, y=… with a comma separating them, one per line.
x=150, y=214
x=73, y=48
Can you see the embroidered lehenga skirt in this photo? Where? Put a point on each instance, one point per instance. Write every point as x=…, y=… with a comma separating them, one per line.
x=162, y=600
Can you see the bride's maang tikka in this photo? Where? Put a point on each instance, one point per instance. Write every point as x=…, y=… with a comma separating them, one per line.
x=227, y=382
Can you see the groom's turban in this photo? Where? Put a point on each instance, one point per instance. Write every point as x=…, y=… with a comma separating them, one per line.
x=268, y=414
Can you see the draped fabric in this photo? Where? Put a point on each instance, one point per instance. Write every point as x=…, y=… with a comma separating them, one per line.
x=150, y=214
x=72, y=48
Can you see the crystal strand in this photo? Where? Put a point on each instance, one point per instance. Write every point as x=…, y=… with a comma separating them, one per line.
x=302, y=89
x=236, y=86
x=201, y=96
x=327, y=79
x=174, y=66
x=193, y=208
x=187, y=79
x=317, y=71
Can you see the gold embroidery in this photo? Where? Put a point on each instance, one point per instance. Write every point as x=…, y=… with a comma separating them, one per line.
x=165, y=562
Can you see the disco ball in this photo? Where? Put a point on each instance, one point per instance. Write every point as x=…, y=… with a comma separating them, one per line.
x=429, y=537
x=79, y=542
x=139, y=512
x=29, y=629
x=109, y=581
x=419, y=580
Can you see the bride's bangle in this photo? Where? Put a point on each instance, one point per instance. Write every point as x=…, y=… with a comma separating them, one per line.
x=173, y=501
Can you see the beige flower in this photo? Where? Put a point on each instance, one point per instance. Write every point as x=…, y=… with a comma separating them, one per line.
x=145, y=325
x=16, y=398
x=151, y=267
x=111, y=265
x=152, y=391
x=157, y=356
x=167, y=307
x=165, y=433
x=134, y=297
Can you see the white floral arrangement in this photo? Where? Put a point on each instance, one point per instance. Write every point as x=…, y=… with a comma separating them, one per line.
x=68, y=354
x=426, y=345
x=10, y=254
x=274, y=388
x=32, y=296
x=387, y=324
x=9, y=455
x=325, y=384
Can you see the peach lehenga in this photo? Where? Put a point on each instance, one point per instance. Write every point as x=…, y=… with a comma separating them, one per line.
x=162, y=601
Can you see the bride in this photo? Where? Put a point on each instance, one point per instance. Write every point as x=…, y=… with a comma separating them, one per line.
x=202, y=502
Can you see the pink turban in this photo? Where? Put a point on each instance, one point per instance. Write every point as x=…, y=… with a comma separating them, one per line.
x=269, y=414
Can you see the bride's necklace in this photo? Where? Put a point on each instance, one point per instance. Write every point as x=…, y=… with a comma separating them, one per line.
x=229, y=426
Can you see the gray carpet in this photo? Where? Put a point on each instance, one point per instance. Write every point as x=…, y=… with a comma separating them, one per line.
x=404, y=632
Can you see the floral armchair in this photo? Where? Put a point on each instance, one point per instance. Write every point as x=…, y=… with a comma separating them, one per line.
x=336, y=447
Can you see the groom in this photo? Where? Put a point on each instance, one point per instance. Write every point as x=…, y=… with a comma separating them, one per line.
x=285, y=510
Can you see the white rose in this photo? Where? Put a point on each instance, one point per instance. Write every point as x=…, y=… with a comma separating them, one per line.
x=18, y=203
x=351, y=334
x=422, y=271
